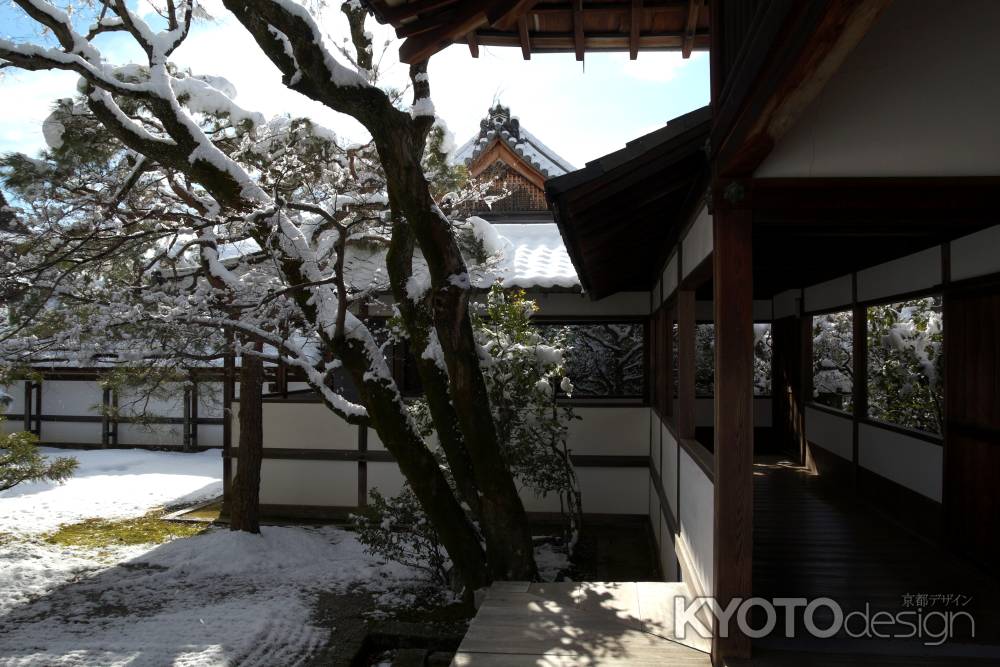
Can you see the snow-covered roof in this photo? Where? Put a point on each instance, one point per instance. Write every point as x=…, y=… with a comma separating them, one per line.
x=526, y=255
x=500, y=125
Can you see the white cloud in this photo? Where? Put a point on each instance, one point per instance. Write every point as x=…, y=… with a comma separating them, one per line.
x=28, y=98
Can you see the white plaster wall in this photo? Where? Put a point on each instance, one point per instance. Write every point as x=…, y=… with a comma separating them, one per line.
x=210, y=435
x=916, y=464
x=668, y=557
x=669, y=279
x=697, y=518
x=386, y=477
x=69, y=432
x=302, y=426
x=786, y=304
x=210, y=399
x=831, y=295
x=669, y=474
x=70, y=397
x=166, y=402
x=16, y=393
x=656, y=444
x=614, y=490
x=917, y=97
x=920, y=270
x=831, y=432
x=295, y=482
x=152, y=434
x=976, y=254
x=562, y=305
x=697, y=243
x=654, y=516
x=606, y=430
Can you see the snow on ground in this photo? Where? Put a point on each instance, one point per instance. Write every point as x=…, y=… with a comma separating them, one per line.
x=218, y=598
x=111, y=484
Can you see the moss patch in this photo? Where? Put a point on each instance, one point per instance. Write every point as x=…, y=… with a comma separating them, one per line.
x=102, y=533
x=210, y=512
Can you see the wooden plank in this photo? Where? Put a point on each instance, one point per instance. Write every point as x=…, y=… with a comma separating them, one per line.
x=733, y=305
x=691, y=25
x=635, y=20
x=504, y=15
x=522, y=31
x=685, y=363
x=578, y=46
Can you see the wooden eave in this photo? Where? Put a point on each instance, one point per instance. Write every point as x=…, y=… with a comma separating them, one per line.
x=553, y=26
x=789, y=53
x=617, y=214
x=499, y=151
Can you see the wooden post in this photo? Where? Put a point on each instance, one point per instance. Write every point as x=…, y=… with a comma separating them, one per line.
x=194, y=414
x=186, y=429
x=105, y=417
x=113, y=441
x=228, y=392
x=685, y=363
x=28, y=384
x=733, y=295
x=859, y=359
x=38, y=410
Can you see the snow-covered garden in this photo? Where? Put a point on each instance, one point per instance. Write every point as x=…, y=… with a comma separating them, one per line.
x=217, y=597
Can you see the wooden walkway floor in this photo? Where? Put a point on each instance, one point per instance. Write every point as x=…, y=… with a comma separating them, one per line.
x=812, y=541
x=586, y=624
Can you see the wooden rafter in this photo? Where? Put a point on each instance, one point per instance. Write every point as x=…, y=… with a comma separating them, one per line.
x=522, y=31
x=473, y=44
x=407, y=10
x=690, y=27
x=635, y=19
x=470, y=16
x=578, y=45
x=506, y=14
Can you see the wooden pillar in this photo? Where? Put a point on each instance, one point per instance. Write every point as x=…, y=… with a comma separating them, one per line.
x=186, y=429
x=859, y=359
x=228, y=394
x=28, y=384
x=194, y=414
x=105, y=417
x=37, y=413
x=685, y=363
x=733, y=297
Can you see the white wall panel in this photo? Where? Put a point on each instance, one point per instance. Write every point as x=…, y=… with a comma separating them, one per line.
x=831, y=432
x=906, y=274
x=831, y=295
x=669, y=278
x=87, y=434
x=786, y=304
x=294, y=482
x=614, y=490
x=976, y=254
x=302, y=426
x=668, y=557
x=16, y=393
x=71, y=397
x=916, y=97
x=151, y=434
x=697, y=243
x=697, y=521
x=914, y=463
x=607, y=430
x=560, y=304
x=385, y=477
x=167, y=401
x=669, y=475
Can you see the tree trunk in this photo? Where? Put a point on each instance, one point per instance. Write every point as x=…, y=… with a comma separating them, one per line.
x=244, y=506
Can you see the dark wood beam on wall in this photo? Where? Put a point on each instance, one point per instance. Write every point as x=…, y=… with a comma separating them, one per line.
x=525, y=37
x=733, y=305
x=635, y=20
x=814, y=40
x=690, y=27
x=578, y=44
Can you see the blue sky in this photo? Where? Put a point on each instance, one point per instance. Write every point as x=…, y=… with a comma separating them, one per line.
x=580, y=111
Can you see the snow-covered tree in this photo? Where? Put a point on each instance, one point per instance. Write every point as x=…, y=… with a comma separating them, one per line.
x=906, y=363
x=163, y=206
x=833, y=359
